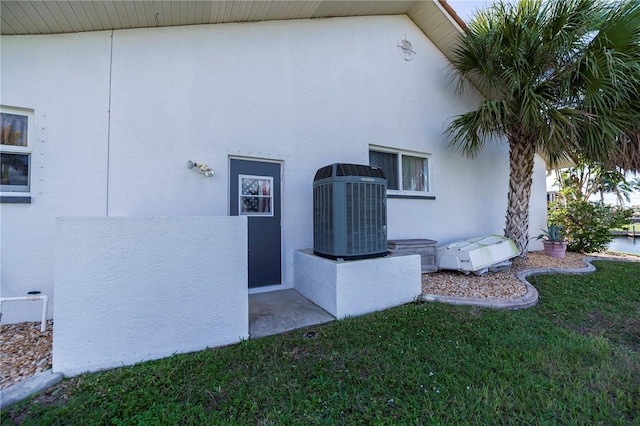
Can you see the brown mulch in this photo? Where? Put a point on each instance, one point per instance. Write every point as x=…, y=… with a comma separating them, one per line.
x=25, y=351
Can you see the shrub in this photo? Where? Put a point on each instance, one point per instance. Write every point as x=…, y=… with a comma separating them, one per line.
x=587, y=224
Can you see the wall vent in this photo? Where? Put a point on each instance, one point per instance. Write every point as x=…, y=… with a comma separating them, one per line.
x=350, y=212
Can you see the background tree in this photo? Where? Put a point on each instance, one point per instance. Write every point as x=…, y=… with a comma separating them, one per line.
x=587, y=179
x=614, y=182
x=561, y=78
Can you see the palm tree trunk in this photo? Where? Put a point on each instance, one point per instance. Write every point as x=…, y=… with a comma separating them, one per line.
x=521, y=159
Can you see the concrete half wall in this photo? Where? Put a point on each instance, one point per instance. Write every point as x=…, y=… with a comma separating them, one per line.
x=357, y=287
x=141, y=288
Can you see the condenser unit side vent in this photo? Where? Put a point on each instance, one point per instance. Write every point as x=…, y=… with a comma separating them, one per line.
x=323, y=216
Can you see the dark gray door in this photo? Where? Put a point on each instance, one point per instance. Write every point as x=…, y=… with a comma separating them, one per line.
x=255, y=193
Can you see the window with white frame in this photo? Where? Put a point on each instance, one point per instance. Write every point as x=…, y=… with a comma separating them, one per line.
x=256, y=197
x=407, y=172
x=15, y=150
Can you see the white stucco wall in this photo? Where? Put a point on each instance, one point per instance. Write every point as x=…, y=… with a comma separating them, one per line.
x=133, y=289
x=357, y=287
x=116, y=125
x=64, y=79
x=538, y=206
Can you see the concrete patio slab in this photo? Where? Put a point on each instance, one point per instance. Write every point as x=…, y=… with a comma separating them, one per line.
x=283, y=310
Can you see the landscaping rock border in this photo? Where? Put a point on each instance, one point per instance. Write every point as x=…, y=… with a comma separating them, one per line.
x=530, y=298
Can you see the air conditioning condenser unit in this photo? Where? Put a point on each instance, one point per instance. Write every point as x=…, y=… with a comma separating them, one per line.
x=350, y=212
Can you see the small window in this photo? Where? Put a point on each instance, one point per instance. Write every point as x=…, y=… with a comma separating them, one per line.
x=15, y=172
x=407, y=172
x=256, y=197
x=388, y=162
x=15, y=151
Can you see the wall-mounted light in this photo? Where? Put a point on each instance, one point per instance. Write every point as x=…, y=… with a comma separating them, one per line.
x=201, y=168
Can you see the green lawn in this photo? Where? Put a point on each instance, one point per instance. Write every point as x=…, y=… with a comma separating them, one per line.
x=630, y=227
x=572, y=359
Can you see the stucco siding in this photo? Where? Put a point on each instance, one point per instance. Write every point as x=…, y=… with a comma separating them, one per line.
x=64, y=80
x=139, y=288
x=118, y=115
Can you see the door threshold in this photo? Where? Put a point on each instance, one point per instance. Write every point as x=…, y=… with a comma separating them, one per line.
x=266, y=289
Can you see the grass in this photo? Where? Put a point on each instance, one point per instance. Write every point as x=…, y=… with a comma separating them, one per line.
x=572, y=359
x=626, y=228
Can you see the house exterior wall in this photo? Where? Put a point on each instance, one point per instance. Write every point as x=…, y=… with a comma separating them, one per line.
x=118, y=114
x=538, y=204
x=131, y=289
x=65, y=81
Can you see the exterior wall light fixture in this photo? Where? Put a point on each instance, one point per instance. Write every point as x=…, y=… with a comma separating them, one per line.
x=201, y=168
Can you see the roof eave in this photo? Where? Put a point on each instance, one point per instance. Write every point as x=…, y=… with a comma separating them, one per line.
x=435, y=18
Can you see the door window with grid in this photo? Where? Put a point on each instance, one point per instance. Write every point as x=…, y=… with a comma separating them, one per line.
x=255, y=195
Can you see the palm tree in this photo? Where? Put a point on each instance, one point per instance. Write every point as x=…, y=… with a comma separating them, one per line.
x=614, y=182
x=560, y=77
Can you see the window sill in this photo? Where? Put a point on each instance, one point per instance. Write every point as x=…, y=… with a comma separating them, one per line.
x=412, y=197
x=12, y=199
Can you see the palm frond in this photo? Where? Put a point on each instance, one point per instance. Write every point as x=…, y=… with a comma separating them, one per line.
x=565, y=73
x=469, y=132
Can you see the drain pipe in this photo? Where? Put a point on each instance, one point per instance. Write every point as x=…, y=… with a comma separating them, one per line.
x=31, y=298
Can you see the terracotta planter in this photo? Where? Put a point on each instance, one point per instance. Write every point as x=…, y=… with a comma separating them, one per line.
x=555, y=248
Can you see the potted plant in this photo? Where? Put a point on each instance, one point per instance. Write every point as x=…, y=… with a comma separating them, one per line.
x=553, y=240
